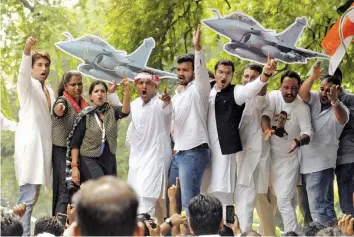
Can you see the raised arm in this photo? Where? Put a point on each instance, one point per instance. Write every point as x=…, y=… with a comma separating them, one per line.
x=305, y=88
x=165, y=104
x=112, y=96
x=200, y=69
x=251, y=89
x=25, y=72
x=126, y=96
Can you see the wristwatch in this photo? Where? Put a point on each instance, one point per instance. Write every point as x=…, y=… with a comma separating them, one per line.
x=169, y=221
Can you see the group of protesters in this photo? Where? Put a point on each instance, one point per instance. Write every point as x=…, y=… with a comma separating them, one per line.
x=236, y=144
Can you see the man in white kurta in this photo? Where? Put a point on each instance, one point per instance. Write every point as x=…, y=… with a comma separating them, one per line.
x=33, y=140
x=220, y=179
x=150, y=145
x=253, y=162
x=287, y=122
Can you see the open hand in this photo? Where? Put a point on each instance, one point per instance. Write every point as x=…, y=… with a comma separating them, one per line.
x=316, y=71
x=346, y=224
x=294, y=145
x=333, y=93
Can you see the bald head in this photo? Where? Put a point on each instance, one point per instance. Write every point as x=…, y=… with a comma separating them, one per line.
x=106, y=206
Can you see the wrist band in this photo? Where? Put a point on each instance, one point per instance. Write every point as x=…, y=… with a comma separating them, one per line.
x=74, y=165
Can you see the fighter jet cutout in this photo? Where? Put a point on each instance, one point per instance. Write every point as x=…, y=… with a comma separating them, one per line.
x=251, y=41
x=103, y=62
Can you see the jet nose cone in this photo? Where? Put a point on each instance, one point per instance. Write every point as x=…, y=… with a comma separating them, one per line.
x=212, y=23
x=63, y=46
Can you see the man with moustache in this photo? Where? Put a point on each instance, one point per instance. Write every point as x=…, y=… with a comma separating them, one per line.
x=329, y=117
x=190, y=110
x=226, y=104
x=284, y=172
x=148, y=137
x=33, y=141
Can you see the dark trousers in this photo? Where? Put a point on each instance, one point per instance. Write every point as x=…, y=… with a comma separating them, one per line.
x=95, y=167
x=60, y=194
x=345, y=181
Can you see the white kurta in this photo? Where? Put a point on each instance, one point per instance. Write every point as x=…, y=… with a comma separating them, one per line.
x=221, y=176
x=150, y=146
x=255, y=151
x=33, y=140
x=284, y=173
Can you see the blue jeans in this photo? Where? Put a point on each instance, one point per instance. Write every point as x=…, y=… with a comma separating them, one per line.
x=189, y=167
x=317, y=191
x=29, y=194
x=345, y=181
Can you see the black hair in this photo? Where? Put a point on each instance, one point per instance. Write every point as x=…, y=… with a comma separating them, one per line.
x=225, y=63
x=186, y=58
x=332, y=79
x=49, y=225
x=291, y=74
x=205, y=214
x=338, y=73
x=291, y=233
x=106, y=206
x=255, y=67
x=246, y=233
x=312, y=228
x=226, y=231
x=95, y=83
x=66, y=79
x=11, y=225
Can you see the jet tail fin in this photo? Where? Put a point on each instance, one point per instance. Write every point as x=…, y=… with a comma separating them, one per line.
x=291, y=34
x=141, y=55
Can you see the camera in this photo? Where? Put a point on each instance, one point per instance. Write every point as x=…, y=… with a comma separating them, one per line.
x=146, y=217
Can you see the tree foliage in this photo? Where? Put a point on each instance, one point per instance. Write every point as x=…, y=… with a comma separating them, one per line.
x=124, y=24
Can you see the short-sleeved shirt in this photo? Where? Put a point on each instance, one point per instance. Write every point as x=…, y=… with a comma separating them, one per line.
x=346, y=144
x=321, y=153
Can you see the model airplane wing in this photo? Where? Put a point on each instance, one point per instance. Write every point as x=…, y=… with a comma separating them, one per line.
x=95, y=72
x=162, y=74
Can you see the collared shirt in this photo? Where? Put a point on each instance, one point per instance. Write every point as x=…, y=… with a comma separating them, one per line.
x=190, y=109
x=346, y=144
x=321, y=153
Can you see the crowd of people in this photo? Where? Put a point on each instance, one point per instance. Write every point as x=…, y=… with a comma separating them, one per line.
x=235, y=144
